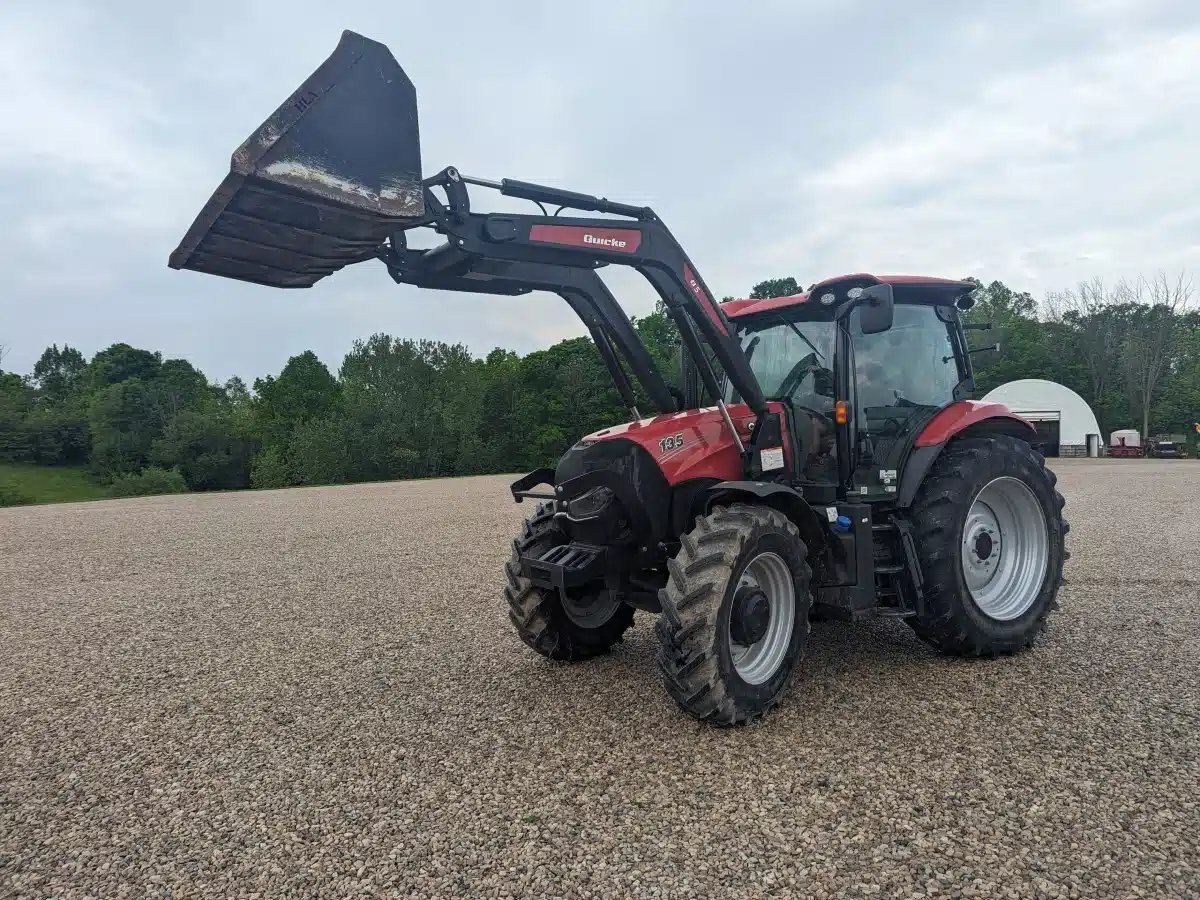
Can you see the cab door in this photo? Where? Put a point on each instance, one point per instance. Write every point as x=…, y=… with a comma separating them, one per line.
x=902, y=378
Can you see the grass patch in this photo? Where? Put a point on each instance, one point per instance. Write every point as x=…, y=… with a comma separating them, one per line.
x=23, y=483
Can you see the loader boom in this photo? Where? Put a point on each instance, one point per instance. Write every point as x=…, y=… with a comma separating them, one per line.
x=333, y=178
x=556, y=245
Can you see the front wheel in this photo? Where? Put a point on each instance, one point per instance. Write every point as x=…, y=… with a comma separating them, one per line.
x=579, y=626
x=734, y=617
x=990, y=537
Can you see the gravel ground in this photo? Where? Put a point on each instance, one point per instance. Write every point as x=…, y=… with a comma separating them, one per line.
x=316, y=691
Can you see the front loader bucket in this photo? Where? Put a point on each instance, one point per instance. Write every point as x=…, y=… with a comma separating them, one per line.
x=322, y=182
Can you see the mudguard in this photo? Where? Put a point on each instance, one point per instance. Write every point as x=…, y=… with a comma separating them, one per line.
x=976, y=415
x=961, y=419
x=782, y=497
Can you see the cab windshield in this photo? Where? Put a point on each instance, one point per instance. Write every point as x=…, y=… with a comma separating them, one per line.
x=792, y=360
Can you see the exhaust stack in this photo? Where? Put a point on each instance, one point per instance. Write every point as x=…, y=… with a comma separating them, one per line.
x=322, y=182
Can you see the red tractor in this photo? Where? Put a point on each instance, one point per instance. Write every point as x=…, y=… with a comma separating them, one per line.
x=822, y=457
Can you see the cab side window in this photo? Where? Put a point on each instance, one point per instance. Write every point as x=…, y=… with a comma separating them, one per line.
x=910, y=366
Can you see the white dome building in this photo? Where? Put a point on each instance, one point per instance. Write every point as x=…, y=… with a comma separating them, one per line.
x=1063, y=419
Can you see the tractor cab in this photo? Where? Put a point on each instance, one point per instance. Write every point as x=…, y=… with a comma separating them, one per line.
x=859, y=374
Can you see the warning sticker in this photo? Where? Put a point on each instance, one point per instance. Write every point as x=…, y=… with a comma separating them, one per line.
x=772, y=458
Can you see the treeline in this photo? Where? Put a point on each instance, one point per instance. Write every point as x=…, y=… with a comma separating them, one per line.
x=398, y=408
x=1131, y=349
x=402, y=408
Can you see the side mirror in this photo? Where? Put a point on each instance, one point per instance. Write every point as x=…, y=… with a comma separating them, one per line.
x=990, y=348
x=876, y=308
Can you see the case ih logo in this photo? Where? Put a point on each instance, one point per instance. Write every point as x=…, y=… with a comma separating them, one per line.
x=619, y=240
x=603, y=241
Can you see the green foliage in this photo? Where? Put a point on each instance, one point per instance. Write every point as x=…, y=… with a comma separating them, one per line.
x=151, y=480
x=16, y=403
x=58, y=374
x=775, y=287
x=660, y=334
x=403, y=408
x=269, y=469
x=29, y=483
x=12, y=496
x=211, y=446
x=120, y=362
x=124, y=425
x=303, y=390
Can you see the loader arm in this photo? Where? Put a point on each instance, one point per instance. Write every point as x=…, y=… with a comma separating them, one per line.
x=333, y=178
x=638, y=239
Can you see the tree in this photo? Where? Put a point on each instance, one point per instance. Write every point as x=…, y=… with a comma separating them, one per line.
x=660, y=334
x=775, y=287
x=395, y=396
x=1024, y=341
x=124, y=425
x=59, y=373
x=235, y=391
x=134, y=395
x=178, y=386
x=566, y=393
x=121, y=362
x=304, y=390
x=1177, y=409
x=321, y=451
x=1153, y=333
x=16, y=401
x=208, y=446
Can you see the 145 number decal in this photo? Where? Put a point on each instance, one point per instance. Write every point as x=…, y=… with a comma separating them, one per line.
x=674, y=442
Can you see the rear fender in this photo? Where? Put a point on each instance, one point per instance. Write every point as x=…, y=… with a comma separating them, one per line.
x=973, y=416
x=996, y=419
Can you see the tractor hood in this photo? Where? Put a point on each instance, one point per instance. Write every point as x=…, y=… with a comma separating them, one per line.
x=322, y=182
x=687, y=445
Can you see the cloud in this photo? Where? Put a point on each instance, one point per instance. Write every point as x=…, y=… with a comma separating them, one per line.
x=1031, y=143
x=1026, y=174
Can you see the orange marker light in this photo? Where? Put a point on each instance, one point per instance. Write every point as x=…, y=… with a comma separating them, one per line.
x=841, y=412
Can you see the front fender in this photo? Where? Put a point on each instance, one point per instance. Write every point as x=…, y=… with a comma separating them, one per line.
x=786, y=499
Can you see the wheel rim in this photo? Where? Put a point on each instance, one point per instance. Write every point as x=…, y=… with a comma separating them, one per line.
x=590, y=610
x=757, y=662
x=1005, y=549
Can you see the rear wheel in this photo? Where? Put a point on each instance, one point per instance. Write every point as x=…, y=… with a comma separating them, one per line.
x=586, y=623
x=990, y=538
x=734, y=617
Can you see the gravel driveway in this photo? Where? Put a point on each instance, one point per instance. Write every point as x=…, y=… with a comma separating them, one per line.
x=316, y=691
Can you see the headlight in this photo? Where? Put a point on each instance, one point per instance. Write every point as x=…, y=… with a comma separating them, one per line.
x=589, y=505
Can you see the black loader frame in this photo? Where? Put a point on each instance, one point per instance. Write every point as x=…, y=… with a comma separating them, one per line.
x=509, y=253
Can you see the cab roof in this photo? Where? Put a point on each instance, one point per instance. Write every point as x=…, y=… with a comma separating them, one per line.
x=950, y=289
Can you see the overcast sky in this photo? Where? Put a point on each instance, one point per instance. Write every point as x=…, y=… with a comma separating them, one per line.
x=1036, y=146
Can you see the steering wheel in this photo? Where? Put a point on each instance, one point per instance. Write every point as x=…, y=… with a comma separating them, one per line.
x=793, y=378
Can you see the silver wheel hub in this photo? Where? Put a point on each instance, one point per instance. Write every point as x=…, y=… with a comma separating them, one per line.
x=1005, y=549
x=762, y=619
